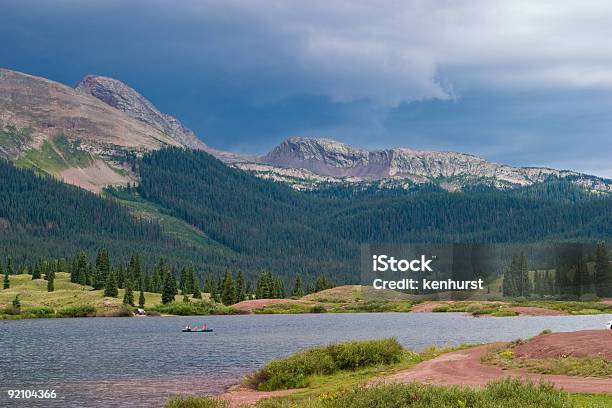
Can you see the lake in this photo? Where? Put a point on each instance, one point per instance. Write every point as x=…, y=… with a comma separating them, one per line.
x=135, y=362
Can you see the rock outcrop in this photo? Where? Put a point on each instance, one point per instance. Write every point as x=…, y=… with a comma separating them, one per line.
x=122, y=97
x=330, y=158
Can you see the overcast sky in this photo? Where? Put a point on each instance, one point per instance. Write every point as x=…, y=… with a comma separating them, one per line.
x=518, y=82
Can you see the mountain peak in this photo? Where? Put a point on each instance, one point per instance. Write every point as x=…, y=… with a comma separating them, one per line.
x=330, y=158
x=124, y=98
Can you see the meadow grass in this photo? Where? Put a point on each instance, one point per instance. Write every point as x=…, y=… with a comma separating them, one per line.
x=67, y=300
x=583, y=367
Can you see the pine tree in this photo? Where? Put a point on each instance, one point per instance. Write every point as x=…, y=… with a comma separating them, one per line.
x=7, y=282
x=121, y=279
x=297, y=287
x=603, y=272
x=128, y=297
x=9, y=266
x=79, y=274
x=50, y=276
x=523, y=275
x=102, y=269
x=36, y=272
x=240, y=287
x=110, y=286
x=228, y=294
x=16, y=303
x=209, y=286
x=322, y=284
x=185, y=298
x=134, y=271
x=511, y=286
x=581, y=278
x=196, y=290
x=169, y=290
x=141, y=299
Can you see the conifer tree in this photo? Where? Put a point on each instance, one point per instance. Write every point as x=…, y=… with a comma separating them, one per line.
x=297, y=287
x=603, y=272
x=185, y=298
x=128, y=297
x=80, y=270
x=141, y=299
x=240, y=287
x=36, y=272
x=9, y=266
x=228, y=294
x=169, y=290
x=110, y=286
x=196, y=290
x=102, y=269
x=134, y=271
x=17, y=302
x=322, y=284
x=6, y=281
x=209, y=286
x=50, y=281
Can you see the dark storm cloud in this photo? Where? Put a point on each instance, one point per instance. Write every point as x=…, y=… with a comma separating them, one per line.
x=518, y=82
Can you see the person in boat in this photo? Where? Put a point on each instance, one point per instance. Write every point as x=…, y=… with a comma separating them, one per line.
x=188, y=328
x=203, y=327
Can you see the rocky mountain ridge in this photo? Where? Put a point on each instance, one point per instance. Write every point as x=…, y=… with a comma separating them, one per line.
x=90, y=136
x=339, y=161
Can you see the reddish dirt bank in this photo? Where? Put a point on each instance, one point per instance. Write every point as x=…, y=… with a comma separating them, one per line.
x=586, y=343
x=249, y=305
x=536, y=311
x=465, y=369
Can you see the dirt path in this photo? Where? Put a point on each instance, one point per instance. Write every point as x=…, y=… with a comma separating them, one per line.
x=464, y=368
x=239, y=396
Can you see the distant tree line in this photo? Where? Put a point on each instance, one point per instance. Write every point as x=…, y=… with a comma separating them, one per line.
x=104, y=275
x=571, y=278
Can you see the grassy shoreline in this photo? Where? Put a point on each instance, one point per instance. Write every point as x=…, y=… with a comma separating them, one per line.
x=347, y=374
x=74, y=300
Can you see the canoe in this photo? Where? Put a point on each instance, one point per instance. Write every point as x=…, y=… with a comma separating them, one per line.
x=197, y=331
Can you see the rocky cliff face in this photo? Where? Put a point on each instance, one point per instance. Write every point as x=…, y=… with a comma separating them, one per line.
x=326, y=157
x=124, y=98
x=70, y=134
x=120, y=96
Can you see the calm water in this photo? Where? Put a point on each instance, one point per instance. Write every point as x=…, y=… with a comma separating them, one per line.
x=141, y=362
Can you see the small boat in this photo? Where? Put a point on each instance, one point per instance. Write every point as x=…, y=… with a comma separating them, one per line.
x=609, y=325
x=197, y=330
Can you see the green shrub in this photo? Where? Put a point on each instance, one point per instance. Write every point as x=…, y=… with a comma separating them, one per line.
x=12, y=310
x=77, y=311
x=39, y=312
x=294, y=371
x=121, y=311
x=318, y=309
x=440, y=309
x=505, y=313
x=196, y=308
x=196, y=402
x=359, y=354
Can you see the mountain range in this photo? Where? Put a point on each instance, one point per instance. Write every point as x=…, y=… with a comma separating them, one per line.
x=90, y=136
x=169, y=194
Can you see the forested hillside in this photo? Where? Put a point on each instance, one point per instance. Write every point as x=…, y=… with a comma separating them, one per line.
x=285, y=230
x=243, y=223
x=41, y=217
